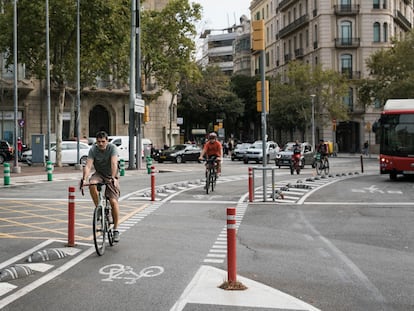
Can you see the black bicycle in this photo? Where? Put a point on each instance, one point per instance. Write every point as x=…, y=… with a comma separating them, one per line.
x=321, y=164
x=103, y=226
x=211, y=174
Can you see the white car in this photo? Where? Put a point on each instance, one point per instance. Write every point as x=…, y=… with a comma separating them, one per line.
x=69, y=153
x=255, y=151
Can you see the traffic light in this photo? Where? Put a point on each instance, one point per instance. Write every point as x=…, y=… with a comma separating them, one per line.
x=258, y=35
x=259, y=95
x=146, y=114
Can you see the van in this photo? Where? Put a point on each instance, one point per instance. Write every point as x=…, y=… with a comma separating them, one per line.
x=122, y=142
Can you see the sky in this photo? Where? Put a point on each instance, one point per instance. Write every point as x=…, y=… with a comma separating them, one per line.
x=219, y=14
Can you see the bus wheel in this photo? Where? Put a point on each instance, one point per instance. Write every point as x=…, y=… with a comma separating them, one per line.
x=393, y=176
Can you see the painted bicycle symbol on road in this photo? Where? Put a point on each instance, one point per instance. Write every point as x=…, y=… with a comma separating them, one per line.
x=121, y=272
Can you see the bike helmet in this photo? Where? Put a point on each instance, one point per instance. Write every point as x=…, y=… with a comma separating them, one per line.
x=212, y=135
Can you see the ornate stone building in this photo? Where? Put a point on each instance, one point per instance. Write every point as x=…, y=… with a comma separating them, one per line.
x=102, y=107
x=340, y=35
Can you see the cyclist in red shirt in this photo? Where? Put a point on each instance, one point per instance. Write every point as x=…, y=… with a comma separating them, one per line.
x=213, y=148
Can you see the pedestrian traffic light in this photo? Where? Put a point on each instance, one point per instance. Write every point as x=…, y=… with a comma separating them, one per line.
x=259, y=95
x=258, y=36
x=146, y=114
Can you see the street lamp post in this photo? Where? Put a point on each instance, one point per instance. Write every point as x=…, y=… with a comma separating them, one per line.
x=313, y=120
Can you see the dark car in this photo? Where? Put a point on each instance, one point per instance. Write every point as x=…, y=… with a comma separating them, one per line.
x=240, y=151
x=180, y=153
x=6, y=151
x=284, y=156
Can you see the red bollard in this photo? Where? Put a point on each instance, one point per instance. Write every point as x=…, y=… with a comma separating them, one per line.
x=231, y=245
x=71, y=217
x=152, y=183
x=250, y=184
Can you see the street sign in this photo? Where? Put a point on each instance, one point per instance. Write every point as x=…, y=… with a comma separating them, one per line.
x=139, y=105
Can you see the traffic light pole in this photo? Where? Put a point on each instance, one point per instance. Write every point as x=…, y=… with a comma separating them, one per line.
x=263, y=116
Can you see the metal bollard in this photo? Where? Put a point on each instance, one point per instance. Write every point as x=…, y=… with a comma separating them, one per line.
x=71, y=217
x=6, y=174
x=49, y=168
x=251, y=190
x=152, y=183
x=231, y=245
x=122, y=167
x=149, y=164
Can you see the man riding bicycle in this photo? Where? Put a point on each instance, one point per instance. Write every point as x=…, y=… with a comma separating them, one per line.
x=321, y=148
x=103, y=156
x=213, y=148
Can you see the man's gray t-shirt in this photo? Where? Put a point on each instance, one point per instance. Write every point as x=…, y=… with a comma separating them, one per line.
x=102, y=159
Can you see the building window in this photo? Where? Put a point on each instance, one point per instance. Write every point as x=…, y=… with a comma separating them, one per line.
x=346, y=33
x=376, y=4
x=348, y=100
x=377, y=32
x=345, y=4
x=385, y=31
x=346, y=65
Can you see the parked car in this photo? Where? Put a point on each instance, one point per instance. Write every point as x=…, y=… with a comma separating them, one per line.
x=255, y=151
x=122, y=143
x=284, y=156
x=240, y=151
x=69, y=153
x=6, y=151
x=180, y=153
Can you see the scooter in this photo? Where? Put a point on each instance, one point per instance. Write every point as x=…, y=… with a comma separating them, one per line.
x=295, y=163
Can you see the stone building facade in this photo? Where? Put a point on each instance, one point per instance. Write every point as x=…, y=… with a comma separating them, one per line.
x=340, y=35
x=102, y=108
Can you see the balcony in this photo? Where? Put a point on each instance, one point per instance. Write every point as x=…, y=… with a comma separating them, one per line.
x=402, y=21
x=284, y=4
x=351, y=75
x=288, y=57
x=299, y=53
x=347, y=43
x=300, y=22
x=348, y=9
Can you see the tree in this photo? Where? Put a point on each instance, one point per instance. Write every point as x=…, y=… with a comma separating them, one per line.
x=168, y=46
x=104, y=41
x=290, y=102
x=205, y=100
x=391, y=73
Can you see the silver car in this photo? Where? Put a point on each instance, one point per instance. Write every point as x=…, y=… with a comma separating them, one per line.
x=255, y=151
x=283, y=157
x=240, y=151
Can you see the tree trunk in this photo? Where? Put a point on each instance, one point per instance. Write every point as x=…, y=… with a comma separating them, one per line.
x=59, y=126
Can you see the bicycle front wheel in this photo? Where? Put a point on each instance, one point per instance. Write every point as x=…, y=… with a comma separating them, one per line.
x=318, y=167
x=212, y=179
x=99, y=230
x=326, y=167
x=208, y=174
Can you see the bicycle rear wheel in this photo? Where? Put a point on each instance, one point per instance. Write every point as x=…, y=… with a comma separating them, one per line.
x=99, y=224
x=109, y=224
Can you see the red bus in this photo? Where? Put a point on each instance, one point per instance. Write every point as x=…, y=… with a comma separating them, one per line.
x=396, y=129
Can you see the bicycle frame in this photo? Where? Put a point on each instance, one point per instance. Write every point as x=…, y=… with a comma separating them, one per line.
x=102, y=227
x=211, y=174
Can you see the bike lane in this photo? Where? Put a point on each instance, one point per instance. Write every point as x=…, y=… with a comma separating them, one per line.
x=171, y=239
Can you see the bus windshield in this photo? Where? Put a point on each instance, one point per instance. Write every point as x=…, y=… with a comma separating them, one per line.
x=397, y=134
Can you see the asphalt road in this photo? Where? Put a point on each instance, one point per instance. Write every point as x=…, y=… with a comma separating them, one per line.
x=343, y=243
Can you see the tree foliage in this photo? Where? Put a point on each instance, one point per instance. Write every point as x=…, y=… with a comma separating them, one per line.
x=205, y=100
x=290, y=102
x=104, y=27
x=391, y=73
